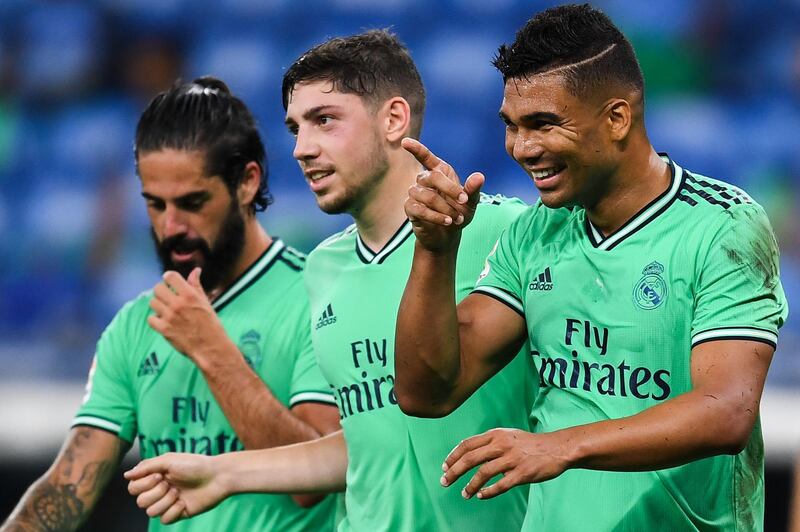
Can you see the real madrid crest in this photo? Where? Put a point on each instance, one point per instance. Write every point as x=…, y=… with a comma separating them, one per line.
x=248, y=345
x=651, y=290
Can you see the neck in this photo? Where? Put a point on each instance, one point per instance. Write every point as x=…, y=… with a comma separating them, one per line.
x=635, y=184
x=256, y=241
x=383, y=211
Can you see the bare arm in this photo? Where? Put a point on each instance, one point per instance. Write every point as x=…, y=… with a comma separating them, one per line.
x=185, y=318
x=65, y=495
x=443, y=353
x=715, y=417
x=176, y=486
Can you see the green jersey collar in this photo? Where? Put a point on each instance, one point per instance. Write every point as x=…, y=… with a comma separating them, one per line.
x=368, y=256
x=646, y=214
x=251, y=274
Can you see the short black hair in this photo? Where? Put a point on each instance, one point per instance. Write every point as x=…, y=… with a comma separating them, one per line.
x=204, y=115
x=375, y=65
x=579, y=39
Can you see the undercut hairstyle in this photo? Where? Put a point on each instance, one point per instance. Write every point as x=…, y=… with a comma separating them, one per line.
x=577, y=41
x=204, y=116
x=374, y=65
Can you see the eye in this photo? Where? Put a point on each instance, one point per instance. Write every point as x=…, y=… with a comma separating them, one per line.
x=192, y=204
x=324, y=120
x=155, y=204
x=293, y=130
x=508, y=123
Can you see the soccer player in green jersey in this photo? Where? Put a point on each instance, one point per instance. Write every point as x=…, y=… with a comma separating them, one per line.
x=649, y=294
x=349, y=103
x=217, y=357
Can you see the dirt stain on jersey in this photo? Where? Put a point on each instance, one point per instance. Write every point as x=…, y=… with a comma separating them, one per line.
x=755, y=247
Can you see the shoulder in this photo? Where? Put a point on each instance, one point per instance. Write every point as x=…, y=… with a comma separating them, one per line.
x=336, y=244
x=542, y=222
x=131, y=320
x=719, y=207
x=493, y=214
x=291, y=259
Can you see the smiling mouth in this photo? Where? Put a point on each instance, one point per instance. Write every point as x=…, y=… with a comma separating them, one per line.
x=316, y=175
x=545, y=173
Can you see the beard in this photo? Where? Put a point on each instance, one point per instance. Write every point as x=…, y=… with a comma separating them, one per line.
x=356, y=195
x=217, y=261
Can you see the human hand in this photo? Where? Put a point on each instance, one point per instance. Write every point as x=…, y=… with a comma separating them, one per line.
x=520, y=457
x=184, y=316
x=437, y=205
x=176, y=486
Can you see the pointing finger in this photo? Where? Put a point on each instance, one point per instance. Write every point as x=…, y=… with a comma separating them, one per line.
x=427, y=158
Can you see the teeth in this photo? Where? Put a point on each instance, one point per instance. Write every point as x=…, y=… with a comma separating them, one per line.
x=314, y=176
x=541, y=174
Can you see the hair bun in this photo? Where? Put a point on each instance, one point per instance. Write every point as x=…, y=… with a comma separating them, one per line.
x=208, y=85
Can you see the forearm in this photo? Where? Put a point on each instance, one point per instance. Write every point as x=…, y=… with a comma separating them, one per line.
x=427, y=347
x=689, y=427
x=63, y=498
x=47, y=505
x=258, y=418
x=317, y=466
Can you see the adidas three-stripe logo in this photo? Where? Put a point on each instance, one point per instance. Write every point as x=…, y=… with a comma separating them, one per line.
x=543, y=282
x=149, y=365
x=327, y=317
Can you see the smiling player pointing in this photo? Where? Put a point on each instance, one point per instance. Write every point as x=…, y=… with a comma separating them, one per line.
x=649, y=294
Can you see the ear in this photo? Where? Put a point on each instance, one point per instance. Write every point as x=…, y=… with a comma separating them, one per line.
x=619, y=118
x=250, y=182
x=397, y=118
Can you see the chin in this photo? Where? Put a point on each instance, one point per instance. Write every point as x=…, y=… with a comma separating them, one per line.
x=554, y=200
x=333, y=205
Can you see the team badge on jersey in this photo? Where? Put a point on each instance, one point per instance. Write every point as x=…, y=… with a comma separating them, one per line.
x=651, y=290
x=248, y=345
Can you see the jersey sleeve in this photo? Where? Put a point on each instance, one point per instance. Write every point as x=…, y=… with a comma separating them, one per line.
x=308, y=385
x=108, y=403
x=500, y=277
x=739, y=293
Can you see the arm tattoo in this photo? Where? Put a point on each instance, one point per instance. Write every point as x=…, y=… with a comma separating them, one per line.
x=60, y=501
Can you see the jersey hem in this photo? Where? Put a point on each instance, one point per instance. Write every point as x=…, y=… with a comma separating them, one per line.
x=99, y=423
x=502, y=296
x=312, y=397
x=736, y=333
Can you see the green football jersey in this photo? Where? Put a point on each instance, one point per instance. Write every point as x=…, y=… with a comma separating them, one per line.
x=612, y=321
x=395, y=460
x=140, y=386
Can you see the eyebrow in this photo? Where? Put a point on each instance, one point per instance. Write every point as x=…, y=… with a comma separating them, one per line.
x=197, y=194
x=533, y=117
x=314, y=111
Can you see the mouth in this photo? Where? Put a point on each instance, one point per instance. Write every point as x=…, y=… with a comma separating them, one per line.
x=317, y=179
x=546, y=178
x=184, y=256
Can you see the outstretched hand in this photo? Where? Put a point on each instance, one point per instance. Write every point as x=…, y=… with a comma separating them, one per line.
x=175, y=486
x=438, y=205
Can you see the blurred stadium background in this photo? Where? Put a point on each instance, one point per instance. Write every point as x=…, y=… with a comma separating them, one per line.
x=723, y=87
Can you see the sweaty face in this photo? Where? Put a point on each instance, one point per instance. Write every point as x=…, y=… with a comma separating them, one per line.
x=557, y=139
x=194, y=220
x=337, y=145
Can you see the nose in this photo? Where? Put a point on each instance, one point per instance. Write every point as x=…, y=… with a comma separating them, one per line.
x=174, y=222
x=527, y=146
x=305, y=146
